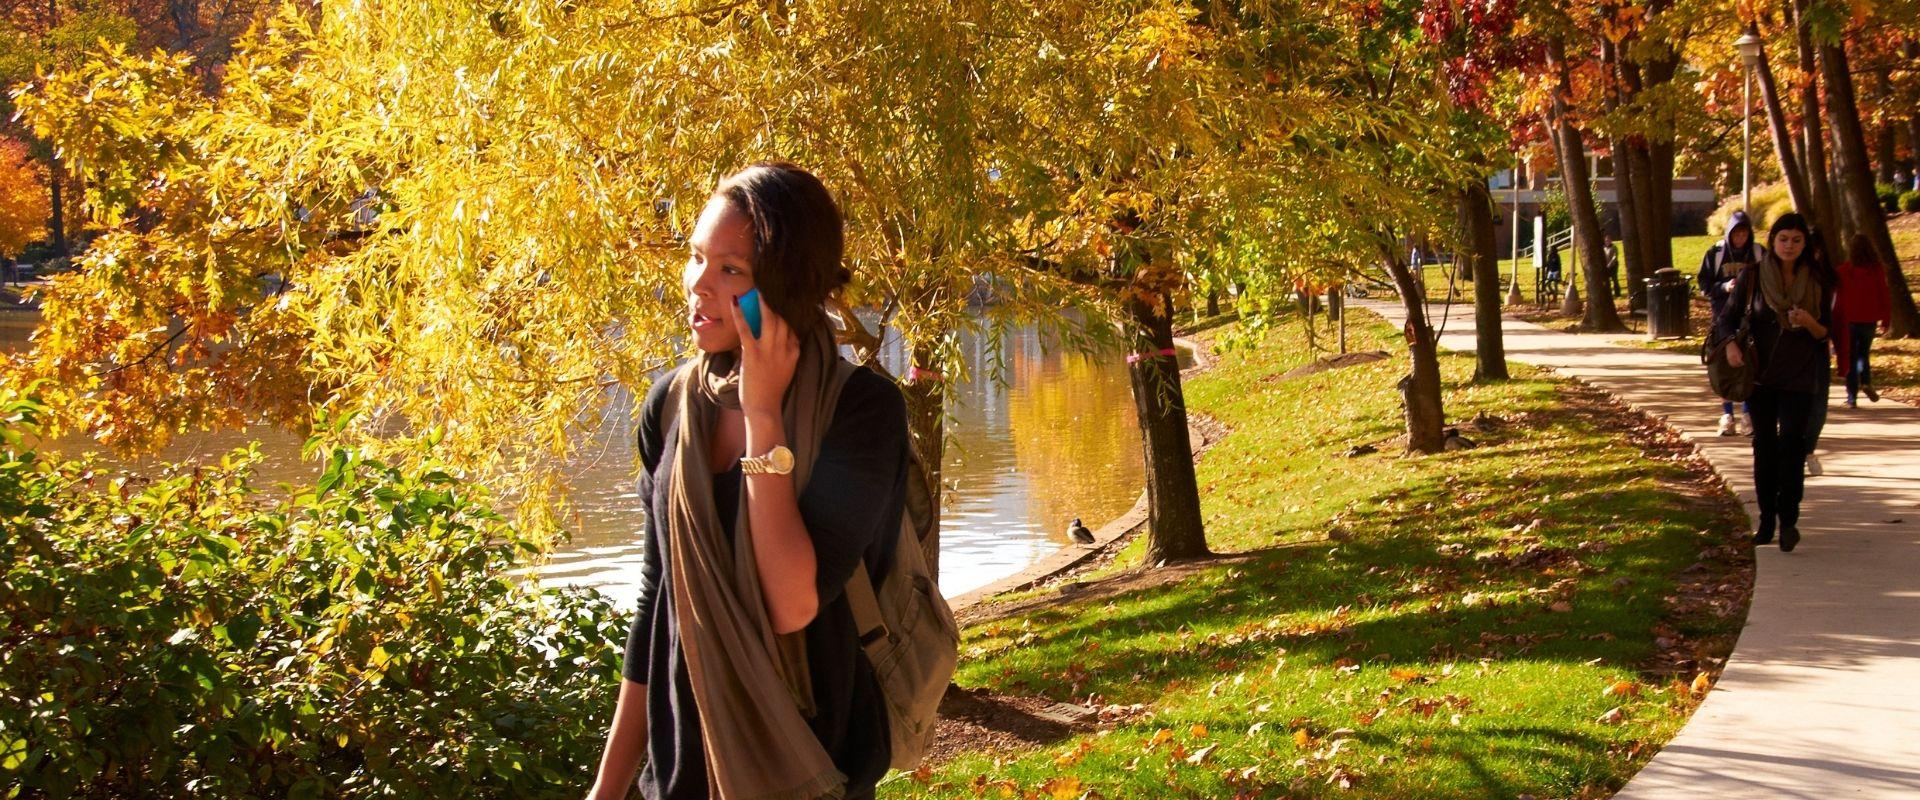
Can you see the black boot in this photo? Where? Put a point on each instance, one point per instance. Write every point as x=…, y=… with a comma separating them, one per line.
x=1789, y=536
x=1764, y=533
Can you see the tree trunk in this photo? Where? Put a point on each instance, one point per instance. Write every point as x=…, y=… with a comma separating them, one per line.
x=1601, y=315
x=1213, y=303
x=1420, y=387
x=1652, y=158
x=926, y=395
x=57, y=226
x=1783, y=142
x=1175, y=531
x=1824, y=213
x=1476, y=228
x=1887, y=140
x=1628, y=183
x=1856, y=179
x=1629, y=176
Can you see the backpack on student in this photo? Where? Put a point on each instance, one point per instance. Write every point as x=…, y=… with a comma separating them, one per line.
x=904, y=624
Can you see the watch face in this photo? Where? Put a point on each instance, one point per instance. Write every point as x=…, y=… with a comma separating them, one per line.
x=782, y=459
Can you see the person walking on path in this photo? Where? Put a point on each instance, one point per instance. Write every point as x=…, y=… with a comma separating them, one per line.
x=772, y=471
x=1552, y=266
x=1724, y=261
x=1816, y=252
x=1863, y=308
x=1613, y=263
x=1787, y=301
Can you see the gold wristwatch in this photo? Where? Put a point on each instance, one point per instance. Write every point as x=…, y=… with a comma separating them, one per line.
x=778, y=461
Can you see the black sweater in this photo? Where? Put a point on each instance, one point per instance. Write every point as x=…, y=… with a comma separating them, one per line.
x=1790, y=360
x=851, y=507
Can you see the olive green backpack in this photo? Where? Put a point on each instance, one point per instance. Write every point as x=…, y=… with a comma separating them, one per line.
x=904, y=624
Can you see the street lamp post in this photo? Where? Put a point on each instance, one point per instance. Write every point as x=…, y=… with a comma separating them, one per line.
x=1749, y=45
x=1513, y=286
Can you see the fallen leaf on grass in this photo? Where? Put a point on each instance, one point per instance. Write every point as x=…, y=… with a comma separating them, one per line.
x=1622, y=689
x=1062, y=788
x=1200, y=756
x=1613, y=717
x=1560, y=607
x=1701, y=683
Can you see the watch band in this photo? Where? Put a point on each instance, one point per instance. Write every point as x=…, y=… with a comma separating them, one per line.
x=778, y=461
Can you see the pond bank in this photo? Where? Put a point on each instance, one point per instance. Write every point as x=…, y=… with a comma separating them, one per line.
x=1524, y=617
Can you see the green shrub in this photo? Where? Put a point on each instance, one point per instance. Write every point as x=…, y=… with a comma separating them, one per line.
x=1769, y=202
x=1889, y=196
x=186, y=636
x=1910, y=201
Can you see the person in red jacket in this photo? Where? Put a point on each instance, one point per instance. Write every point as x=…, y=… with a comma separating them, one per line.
x=1863, y=303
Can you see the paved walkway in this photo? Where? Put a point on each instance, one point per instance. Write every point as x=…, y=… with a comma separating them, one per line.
x=1821, y=698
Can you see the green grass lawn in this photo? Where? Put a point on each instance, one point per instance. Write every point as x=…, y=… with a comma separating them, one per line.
x=1687, y=252
x=1523, y=617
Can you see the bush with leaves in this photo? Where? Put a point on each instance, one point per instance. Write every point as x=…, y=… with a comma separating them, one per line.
x=189, y=636
x=1910, y=201
x=1889, y=196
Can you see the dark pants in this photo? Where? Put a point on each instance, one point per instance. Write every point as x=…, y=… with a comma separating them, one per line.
x=1780, y=451
x=1859, y=342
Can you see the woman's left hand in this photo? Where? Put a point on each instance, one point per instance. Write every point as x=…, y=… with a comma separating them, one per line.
x=766, y=363
x=1799, y=318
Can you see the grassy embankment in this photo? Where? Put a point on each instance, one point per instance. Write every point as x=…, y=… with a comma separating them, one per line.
x=1528, y=616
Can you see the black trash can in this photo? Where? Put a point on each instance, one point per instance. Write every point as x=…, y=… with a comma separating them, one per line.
x=1667, y=305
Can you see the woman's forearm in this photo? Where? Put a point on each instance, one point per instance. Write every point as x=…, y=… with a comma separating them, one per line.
x=626, y=744
x=782, y=550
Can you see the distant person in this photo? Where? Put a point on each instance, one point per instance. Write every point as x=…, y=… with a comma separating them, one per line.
x=1816, y=253
x=1552, y=267
x=1724, y=261
x=1863, y=307
x=9, y=271
x=1787, y=300
x=1613, y=263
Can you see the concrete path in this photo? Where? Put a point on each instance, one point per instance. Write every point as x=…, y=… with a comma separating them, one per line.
x=1821, y=698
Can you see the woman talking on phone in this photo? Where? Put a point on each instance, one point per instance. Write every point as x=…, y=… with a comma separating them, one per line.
x=1789, y=297
x=771, y=469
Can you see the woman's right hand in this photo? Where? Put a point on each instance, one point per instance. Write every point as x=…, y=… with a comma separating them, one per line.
x=1734, y=357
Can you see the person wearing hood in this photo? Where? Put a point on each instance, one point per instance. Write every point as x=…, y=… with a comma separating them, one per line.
x=1723, y=263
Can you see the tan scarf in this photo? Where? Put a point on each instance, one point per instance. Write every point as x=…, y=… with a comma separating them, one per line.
x=751, y=686
x=1804, y=292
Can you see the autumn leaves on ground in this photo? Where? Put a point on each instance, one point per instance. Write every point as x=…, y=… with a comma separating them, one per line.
x=1533, y=615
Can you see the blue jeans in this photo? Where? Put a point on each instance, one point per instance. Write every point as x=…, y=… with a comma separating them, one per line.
x=1727, y=407
x=1860, y=341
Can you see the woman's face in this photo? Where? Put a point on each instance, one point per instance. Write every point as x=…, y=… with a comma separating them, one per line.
x=1741, y=236
x=1788, y=244
x=719, y=270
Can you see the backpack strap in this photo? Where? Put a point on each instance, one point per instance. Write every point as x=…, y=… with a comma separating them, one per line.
x=867, y=620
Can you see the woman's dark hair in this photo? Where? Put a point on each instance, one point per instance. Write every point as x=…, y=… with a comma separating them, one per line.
x=1861, y=250
x=798, y=239
x=1813, y=257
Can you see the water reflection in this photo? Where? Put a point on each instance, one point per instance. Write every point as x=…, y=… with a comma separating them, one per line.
x=1055, y=441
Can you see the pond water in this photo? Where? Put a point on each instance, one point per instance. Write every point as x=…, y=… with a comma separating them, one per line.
x=1055, y=441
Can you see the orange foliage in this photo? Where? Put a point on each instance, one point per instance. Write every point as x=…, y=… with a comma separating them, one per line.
x=24, y=207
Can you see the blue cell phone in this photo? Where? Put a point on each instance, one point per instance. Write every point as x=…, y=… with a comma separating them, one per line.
x=750, y=310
